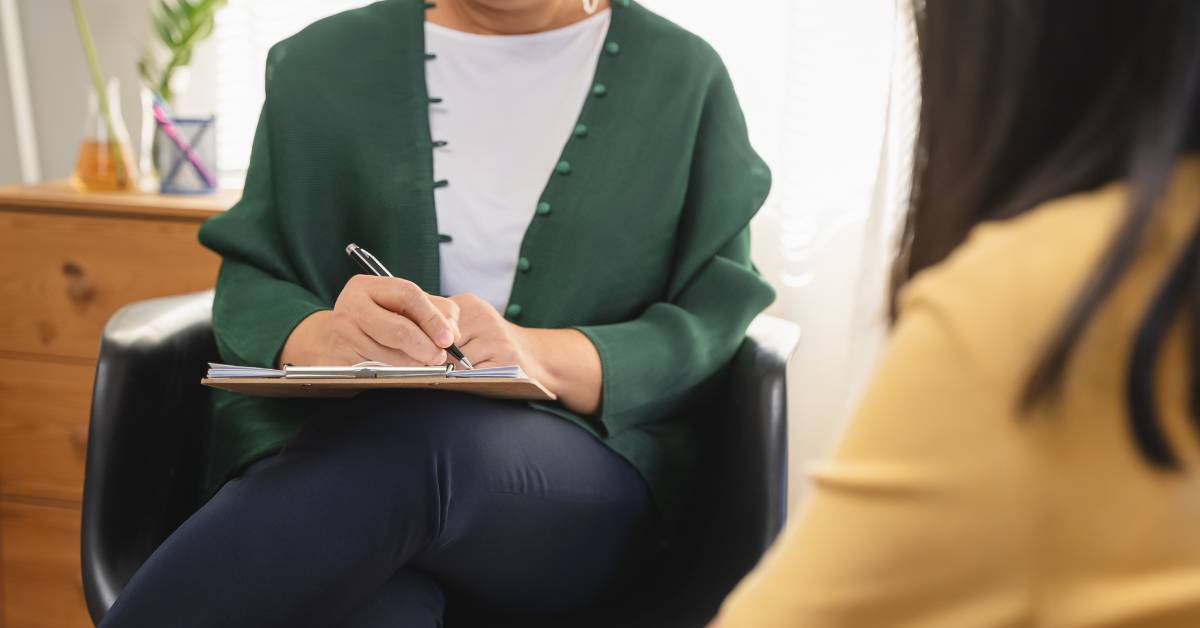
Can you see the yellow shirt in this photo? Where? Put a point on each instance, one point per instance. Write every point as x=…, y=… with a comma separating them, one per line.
x=944, y=508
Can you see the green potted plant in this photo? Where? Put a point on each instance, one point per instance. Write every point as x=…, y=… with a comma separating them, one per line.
x=179, y=26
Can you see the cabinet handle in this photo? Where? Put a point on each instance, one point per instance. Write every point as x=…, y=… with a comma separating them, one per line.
x=80, y=289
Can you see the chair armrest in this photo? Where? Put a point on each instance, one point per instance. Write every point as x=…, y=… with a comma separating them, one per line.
x=142, y=475
x=755, y=449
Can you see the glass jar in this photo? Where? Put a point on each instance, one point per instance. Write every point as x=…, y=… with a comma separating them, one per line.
x=105, y=161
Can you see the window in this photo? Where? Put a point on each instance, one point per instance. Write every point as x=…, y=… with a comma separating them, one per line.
x=245, y=31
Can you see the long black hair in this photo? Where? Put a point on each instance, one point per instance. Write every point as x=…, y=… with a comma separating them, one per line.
x=1024, y=101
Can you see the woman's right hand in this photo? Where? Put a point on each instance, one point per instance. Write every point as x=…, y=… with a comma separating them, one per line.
x=382, y=319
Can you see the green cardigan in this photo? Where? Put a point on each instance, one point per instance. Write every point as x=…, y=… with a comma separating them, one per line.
x=640, y=239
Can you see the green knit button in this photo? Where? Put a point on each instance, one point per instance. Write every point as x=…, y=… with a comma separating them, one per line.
x=445, y=238
x=543, y=208
x=523, y=264
x=599, y=90
x=563, y=167
x=513, y=310
x=581, y=130
x=612, y=48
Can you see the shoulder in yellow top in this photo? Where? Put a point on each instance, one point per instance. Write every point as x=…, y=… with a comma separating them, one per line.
x=943, y=508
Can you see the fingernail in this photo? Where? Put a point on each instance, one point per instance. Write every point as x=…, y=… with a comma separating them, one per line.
x=445, y=338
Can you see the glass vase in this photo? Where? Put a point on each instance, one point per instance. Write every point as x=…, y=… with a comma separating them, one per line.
x=105, y=161
x=148, y=181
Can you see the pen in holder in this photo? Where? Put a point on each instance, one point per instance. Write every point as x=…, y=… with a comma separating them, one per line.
x=185, y=153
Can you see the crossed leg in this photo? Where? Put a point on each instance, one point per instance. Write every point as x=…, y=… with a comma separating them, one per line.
x=362, y=520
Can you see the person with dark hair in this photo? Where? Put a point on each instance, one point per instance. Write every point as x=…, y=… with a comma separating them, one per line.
x=1027, y=452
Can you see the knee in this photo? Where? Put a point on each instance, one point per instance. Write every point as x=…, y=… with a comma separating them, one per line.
x=410, y=452
x=413, y=429
x=390, y=450
x=370, y=428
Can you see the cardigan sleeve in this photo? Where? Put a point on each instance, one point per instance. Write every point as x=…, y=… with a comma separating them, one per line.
x=653, y=363
x=259, y=299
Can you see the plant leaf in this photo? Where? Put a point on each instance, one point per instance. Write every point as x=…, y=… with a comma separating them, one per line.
x=163, y=30
x=181, y=25
x=147, y=71
x=206, y=29
x=170, y=16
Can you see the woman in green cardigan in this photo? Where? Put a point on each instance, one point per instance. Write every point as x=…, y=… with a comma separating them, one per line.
x=560, y=184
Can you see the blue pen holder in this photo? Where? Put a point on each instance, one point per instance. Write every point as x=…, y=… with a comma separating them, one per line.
x=182, y=172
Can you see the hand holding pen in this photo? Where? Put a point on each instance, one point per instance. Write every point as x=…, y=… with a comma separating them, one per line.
x=370, y=264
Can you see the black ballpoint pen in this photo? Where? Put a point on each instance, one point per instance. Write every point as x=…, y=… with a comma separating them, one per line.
x=370, y=264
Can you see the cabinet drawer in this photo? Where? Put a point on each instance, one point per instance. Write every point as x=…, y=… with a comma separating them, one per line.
x=63, y=275
x=39, y=567
x=43, y=428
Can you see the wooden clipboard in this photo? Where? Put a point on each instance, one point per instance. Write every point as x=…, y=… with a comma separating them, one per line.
x=499, y=388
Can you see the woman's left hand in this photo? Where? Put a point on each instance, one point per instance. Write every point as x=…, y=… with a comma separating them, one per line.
x=490, y=340
x=563, y=360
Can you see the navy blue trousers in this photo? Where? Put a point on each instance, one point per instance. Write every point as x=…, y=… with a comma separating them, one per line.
x=368, y=518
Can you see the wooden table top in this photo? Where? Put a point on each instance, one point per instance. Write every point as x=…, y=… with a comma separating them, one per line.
x=60, y=196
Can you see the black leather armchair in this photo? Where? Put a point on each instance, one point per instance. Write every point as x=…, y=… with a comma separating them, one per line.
x=147, y=434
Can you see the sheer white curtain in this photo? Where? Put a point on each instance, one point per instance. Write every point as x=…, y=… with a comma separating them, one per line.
x=245, y=30
x=829, y=94
x=829, y=91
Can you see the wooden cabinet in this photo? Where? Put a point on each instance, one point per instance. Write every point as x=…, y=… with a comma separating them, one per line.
x=43, y=427
x=68, y=260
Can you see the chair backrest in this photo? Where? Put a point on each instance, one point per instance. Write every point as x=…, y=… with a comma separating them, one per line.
x=145, y=439
x=752, y=441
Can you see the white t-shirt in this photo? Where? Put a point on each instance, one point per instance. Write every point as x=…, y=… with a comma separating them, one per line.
x=508, y=105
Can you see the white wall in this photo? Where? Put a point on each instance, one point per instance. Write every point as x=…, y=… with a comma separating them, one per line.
x=10, y=170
